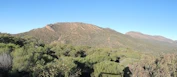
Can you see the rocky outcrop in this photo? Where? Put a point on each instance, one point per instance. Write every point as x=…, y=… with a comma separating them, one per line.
x=5, y=62
x=50, y=28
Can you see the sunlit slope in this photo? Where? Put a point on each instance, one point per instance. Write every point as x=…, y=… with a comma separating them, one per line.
x=77, y=33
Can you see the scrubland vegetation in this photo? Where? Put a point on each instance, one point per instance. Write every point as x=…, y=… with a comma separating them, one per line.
x=30, y=57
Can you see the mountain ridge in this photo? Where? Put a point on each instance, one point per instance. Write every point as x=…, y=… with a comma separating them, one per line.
x=77, y=33
x=140, y=35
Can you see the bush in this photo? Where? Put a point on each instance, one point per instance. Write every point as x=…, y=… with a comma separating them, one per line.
x=108, y=69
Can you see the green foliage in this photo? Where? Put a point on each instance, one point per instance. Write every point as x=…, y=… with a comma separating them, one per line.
x=7, y=48
x=28, y=56
x=63, y=67
x=108, y=69
x=68, y=50
x=7, y=38
x=98, y=57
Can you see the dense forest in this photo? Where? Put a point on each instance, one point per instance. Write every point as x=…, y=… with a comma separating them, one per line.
x=29, y=57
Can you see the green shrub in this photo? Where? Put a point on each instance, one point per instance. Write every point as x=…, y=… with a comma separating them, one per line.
x=108, y=69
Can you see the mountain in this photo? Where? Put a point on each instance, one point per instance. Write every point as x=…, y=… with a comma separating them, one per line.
x=139, y=35
x=176, y=41
x=77, y=33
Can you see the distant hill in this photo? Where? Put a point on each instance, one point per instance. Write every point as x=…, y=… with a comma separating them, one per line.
x=77, y=33
x=139, y=35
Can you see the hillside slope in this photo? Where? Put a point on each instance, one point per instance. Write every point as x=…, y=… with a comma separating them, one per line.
x=90, y=35
x=139, y=35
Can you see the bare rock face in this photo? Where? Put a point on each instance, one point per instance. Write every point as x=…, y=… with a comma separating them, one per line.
x=5, y=62
x=49, y=27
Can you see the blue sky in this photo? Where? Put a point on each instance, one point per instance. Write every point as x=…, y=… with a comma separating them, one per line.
x=155, y=17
